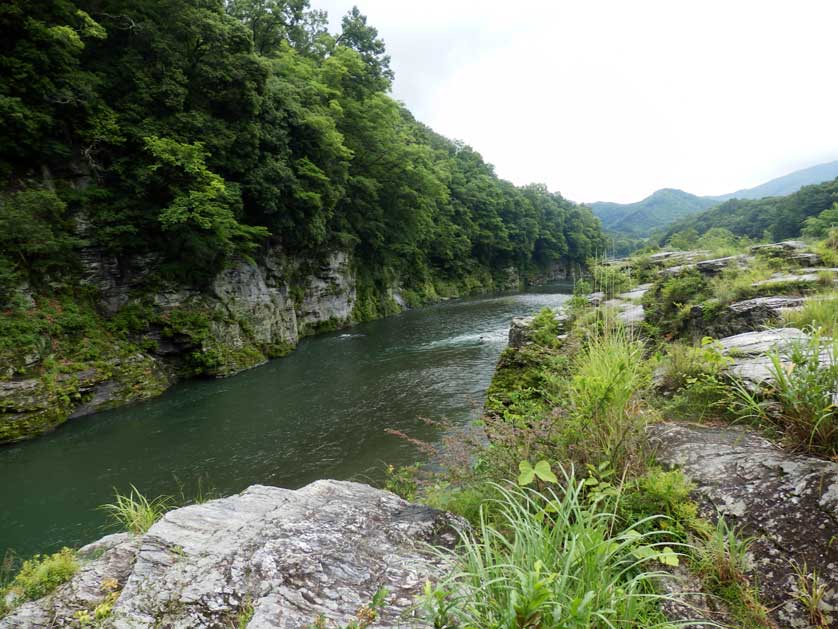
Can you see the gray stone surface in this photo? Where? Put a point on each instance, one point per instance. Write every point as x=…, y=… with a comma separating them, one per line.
x=635, y=294
x=810, y=276
x=629, y=313
x=780, y=248
x=105, y=567
x=293, y=556
x=775, y=303
x=750, y=352
x=519, y=331
x=709, y=267
x=788, y=502
x=596, y=298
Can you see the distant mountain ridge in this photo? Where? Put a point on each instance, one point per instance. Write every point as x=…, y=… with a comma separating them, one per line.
x=668, y=205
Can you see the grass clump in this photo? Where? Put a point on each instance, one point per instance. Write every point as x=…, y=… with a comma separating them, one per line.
x=611, y=279
x=134, y=512
x=693, y=382
x=553, y=559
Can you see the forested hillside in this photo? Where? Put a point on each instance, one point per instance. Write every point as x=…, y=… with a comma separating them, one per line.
x=655, y=211
x=629, y=223
x=808, y=211
x=199, y=131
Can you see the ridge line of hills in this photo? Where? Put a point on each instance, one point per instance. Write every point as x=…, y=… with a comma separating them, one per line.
x=668, y=205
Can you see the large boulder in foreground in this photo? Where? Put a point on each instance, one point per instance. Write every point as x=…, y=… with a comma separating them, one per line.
x=286, y=557
x=788, y=502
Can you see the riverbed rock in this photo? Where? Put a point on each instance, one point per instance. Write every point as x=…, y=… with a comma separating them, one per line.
x=785, y=248
x=596, y=298
x=750, y=353
x=520, y=328
x=666, y=258
x=807, y=279
x=636, y=293
x=630, y=314
x=105, y=567
x=788, y=502
x=707, y=267
x=291, y=557
x=35, y=405
x=714, y=320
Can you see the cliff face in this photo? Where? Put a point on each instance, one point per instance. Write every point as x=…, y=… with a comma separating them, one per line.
x=250, y=312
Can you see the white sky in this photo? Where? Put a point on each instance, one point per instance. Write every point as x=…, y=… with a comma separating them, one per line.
x=611, y=100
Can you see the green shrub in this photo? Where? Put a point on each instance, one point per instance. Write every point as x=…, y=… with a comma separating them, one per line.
x=43, y=573
x=610, y=279
x=545, y=328
x=683, y=363
x=662, y=493
x=556, y=560
x=667, y=302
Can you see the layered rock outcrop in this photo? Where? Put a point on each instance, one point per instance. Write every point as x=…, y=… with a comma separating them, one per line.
x=787, y=502
x=284, y=559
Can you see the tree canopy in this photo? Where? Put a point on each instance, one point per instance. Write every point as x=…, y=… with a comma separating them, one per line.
x=200, y=130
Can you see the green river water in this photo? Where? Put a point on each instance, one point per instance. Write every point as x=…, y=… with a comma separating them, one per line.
x=320, y=412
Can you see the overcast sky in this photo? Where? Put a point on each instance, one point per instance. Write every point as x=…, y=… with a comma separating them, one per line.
x=611, y=100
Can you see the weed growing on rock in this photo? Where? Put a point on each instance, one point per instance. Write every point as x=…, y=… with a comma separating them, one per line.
x=821, y=312
x=810, y=593
x=134, y=512
x=39, y=576
x=606, y=419
x=721, y=559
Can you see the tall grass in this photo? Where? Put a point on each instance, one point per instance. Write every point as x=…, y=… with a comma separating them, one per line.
x=552, y=560
x=134, y=512
x=606, y=418
x=820, y=313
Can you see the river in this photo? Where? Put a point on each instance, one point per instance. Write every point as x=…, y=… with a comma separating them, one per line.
x=320, y=412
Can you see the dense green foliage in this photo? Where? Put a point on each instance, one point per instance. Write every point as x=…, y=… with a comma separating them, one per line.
x=776, y=218
x=199, y=131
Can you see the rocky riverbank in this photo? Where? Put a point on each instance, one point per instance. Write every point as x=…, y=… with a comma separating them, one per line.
x=740, y=351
